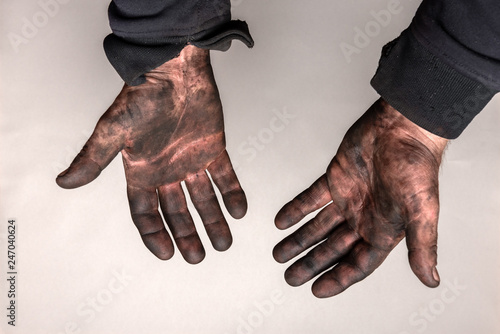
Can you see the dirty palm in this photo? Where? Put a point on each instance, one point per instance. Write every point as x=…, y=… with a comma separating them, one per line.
x=169, y=129
x=381, y=186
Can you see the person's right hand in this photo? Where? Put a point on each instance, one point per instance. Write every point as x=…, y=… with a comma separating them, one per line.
x=169, y=129
x=382, y=185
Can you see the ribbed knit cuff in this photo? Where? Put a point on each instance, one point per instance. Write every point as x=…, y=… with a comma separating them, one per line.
x=427, y=91
x=132, y=59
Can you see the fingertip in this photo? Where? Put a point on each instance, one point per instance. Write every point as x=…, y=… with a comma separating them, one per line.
x=163, y=254
x=326, y=289
x=67, y=183
x=220, y=236
x=222, y=244
x=191, y=249
x=319, y=293
x=282, y=220
x=429, y=282
x=239, y=212
x=194, y=258
x=159, y=244
x=431, y=278
x=278, y=254
x=238, y=205
x=77, y=176
x=292, y=279
x=427, y=274
x=62, y=181
x=278, y=222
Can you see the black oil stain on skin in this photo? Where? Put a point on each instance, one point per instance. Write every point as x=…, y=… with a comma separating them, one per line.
x=383, y=180
x=168, y=129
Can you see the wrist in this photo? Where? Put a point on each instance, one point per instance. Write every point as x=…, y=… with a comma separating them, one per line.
x=406, y=128
x=190, y=63
x=189, y=56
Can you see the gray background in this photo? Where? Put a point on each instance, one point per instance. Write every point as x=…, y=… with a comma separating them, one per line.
x=72, y=243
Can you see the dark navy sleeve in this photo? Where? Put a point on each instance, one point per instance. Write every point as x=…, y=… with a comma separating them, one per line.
x=148, y=33
x=444, y=69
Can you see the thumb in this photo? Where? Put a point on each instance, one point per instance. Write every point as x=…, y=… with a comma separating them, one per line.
x=101, y=148
x=421, y=240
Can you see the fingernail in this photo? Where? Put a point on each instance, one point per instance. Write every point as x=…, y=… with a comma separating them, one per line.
x=435, y=274
x=63, y=173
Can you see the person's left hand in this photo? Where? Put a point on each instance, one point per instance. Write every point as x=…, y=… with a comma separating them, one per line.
x=169, y=129
x=381, y=186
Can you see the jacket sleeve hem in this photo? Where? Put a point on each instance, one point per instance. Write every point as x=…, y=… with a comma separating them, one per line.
x=426, y=90
x=132, y=59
